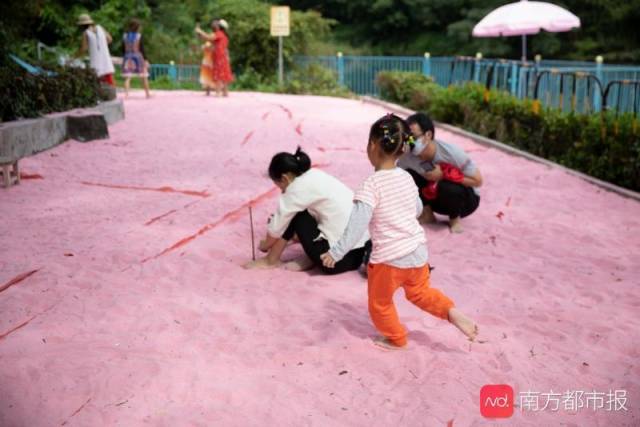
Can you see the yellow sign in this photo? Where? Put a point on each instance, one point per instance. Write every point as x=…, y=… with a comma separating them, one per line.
x=280, y=21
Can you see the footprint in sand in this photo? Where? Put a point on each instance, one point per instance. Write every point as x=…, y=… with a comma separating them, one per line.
x=537, y=333
x=352, y=319
x=489, y=320
x=588, y=299
x=539, y=317
x=598, y=334
x=186, y=319
x=503, y=362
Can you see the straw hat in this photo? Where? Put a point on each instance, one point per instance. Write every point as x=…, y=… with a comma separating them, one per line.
x=84, y=19
x=223, y=24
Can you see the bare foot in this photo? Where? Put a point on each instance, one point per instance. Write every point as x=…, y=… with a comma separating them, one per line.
x=302, y=263
x=427, y=216
x=261, y=264
x=462, y=322
x=387, y=345
x=455, y=226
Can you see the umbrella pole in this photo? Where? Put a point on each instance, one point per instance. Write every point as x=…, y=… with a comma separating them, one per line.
x=524, y=48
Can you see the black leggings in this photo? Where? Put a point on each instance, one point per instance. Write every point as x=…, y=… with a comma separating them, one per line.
x=306, y=228
x=453, y=199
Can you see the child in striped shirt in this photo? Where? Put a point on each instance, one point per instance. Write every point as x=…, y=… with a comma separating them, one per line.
x=388, y=203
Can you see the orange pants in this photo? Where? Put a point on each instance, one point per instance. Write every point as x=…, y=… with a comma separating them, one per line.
x=384, y=280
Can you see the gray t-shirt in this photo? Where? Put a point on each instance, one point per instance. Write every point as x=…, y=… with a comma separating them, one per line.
x=445, y=153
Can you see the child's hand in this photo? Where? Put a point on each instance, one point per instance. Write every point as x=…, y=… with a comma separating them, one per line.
x=327, y=260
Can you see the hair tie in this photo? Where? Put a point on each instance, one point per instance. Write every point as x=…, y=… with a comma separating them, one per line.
x=411, y=142
x=386, y=138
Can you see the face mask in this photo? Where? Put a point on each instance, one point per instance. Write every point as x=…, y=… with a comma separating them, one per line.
x=418, y=146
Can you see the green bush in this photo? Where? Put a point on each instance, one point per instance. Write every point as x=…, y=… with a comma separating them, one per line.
x=250, y=42
x=603, y=145
x=314, y=80
x=309, y=80
x=24, y=95
x=251, y=80
x=167, y=28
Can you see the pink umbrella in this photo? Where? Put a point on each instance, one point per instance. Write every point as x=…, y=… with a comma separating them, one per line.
x=525, y=17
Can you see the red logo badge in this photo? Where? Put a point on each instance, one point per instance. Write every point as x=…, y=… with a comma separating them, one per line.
x=496, y=401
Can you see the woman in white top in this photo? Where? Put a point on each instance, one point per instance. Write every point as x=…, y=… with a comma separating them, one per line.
x=314, y=209
x=96, y=39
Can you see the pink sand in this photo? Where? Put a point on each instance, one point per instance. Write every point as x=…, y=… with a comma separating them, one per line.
x=140, y=314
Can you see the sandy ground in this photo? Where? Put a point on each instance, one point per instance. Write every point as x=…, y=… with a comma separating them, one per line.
x=124, y=302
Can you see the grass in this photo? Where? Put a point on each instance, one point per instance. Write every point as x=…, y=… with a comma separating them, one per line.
x=161, y=83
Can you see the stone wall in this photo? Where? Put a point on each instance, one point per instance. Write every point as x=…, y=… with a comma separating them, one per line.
x=23, y=138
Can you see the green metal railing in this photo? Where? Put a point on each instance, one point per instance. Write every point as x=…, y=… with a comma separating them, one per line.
x=568, y=85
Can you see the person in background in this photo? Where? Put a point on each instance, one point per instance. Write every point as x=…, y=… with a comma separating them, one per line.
x=219, y=72
x=134, y=63
x=446, y=177
x=95, y=41
x=206, y=67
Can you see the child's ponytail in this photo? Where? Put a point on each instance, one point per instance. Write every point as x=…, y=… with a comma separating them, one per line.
x=283, y=163
x=392, y=133
x=303, y=160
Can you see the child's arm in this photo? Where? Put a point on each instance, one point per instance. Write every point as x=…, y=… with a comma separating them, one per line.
x=358, y=223
x=292, y=202
x=268, y=241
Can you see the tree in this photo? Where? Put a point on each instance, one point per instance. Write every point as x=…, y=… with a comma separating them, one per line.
x=443, y=27
x=167, y=25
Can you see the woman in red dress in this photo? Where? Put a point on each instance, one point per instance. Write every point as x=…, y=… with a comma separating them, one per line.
x=220, y=69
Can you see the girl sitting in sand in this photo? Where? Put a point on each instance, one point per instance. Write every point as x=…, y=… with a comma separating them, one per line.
x=388, y=203
x=313, y=209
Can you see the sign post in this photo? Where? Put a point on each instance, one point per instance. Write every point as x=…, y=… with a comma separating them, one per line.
x=280, y=28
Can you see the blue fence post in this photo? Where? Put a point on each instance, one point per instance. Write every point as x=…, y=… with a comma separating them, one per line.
x=514, y=77
x=173, y=72
x=526, y=81
x=597, y=98
x=340, y=69
x=426, y=64
x=534, y=77
x=476, y=71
